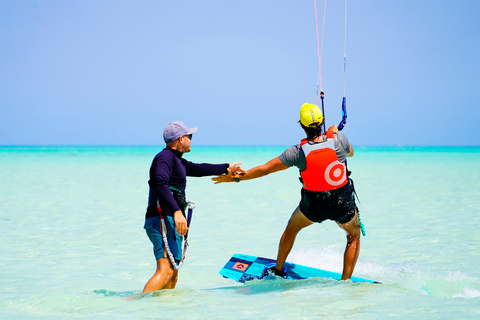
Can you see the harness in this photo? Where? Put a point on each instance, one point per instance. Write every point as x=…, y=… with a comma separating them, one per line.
x=189, y=206
x=322, y=158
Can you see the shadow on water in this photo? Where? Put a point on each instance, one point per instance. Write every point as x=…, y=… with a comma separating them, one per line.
x=135, y=295
x=276, y=284
x=124, y=295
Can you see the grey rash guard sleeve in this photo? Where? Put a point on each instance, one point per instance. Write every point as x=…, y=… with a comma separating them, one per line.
x=294, y=156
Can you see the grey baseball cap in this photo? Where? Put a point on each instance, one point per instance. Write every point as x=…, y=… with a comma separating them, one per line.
x=175, y=130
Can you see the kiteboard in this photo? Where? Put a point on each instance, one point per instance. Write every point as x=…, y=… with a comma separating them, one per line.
x=244, y=268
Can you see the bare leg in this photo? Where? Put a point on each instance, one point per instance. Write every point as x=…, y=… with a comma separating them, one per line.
x=165, y=277
x=352, y=250
x=297, y=222
x=173, y=281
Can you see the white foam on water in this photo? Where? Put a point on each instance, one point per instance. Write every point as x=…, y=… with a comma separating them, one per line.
x=468, y=293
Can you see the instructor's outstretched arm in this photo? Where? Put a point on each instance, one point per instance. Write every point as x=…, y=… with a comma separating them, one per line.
x=271, y=166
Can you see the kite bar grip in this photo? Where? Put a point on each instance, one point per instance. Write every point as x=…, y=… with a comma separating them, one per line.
x=344, y=114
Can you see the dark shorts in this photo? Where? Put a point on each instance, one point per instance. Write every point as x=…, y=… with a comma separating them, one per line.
x=337, y=205
x=153, y=227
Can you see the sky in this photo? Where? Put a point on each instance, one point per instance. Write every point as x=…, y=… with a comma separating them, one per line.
x=97, y=72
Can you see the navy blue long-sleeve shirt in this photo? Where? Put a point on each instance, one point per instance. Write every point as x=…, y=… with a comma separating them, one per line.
x=169, y=169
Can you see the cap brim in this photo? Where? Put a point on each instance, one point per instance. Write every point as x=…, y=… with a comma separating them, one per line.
x=192, y=130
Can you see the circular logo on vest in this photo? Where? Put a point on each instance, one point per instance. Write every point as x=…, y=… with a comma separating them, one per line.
x=335, y=173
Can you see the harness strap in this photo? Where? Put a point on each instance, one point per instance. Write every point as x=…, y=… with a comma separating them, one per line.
x=190, y=206
x=175, y=189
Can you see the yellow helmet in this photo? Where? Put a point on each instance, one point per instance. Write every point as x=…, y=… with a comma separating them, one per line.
x=310, y=114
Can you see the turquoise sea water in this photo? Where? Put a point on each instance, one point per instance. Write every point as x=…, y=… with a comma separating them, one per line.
x=73, y=244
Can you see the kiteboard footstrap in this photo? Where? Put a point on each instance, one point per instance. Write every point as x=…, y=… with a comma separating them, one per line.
x=271, y=270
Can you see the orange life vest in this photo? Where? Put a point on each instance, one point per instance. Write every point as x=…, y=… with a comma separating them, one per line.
x=324, y=172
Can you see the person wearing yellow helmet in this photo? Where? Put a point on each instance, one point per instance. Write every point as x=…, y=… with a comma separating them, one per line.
x=327, y=192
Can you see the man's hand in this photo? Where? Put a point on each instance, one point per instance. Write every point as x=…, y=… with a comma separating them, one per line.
x=229, y=177
x=333, y=128
x=180, y=223
x=234, y=168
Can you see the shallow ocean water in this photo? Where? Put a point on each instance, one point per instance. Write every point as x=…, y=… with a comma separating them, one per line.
x=73, y=244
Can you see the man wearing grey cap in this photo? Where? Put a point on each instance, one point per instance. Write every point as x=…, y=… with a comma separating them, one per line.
x=165, y=221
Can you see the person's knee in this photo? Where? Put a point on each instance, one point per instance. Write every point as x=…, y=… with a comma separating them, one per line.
x=295, y=225
x=353, y=235
x=292, y=228
x=169, y=273
x=165, y=268
x=174, y=277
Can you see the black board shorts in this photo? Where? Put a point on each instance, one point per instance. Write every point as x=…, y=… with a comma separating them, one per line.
x=337, y=205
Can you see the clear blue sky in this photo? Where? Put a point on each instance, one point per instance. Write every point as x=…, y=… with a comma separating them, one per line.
x=116, y=72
